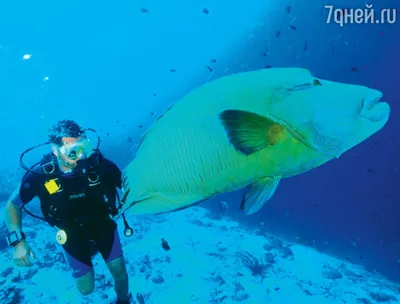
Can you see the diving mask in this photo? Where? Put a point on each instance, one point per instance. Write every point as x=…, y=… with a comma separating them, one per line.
x=77, y=150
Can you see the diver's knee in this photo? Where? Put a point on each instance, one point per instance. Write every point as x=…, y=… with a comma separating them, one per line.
x=121, y=276
x=85, y=284
x=117, y=268
x=86, y=290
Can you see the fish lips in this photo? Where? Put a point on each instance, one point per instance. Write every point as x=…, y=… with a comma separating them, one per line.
x=374, y=109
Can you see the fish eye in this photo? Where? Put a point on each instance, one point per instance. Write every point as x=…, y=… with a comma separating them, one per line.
x=316, y=82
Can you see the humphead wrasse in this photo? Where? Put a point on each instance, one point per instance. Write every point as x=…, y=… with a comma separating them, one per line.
x=247, y=130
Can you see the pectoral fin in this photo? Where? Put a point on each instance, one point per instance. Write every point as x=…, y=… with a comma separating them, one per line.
x=258, y=194
x=249, y=132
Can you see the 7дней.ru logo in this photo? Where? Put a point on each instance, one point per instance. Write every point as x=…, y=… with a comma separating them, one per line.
x=344, y=16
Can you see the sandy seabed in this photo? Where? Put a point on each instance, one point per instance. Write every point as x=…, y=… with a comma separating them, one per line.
x=211, y=260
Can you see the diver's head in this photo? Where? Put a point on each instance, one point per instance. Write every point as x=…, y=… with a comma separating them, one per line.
x=69, y=143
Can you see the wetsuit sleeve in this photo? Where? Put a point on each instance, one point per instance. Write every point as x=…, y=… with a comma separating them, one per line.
x=113, y=173
x=26, y=191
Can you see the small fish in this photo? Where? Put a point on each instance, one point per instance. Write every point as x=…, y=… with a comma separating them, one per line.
x=124, y=125
x=144, y=10
x=339, y=37
x=164, y=245
x=152, y=113
x=140, y=126
x=213, y=60
x=333, y=49
x=268, y=66
x=223, y=206
x=154, y=94
x=277, y=34
x=353, y=69
x=172, y=70
x=288, y=9
x=129, y=139
x=210, y=69
x=206, y=11
x=108, y=134
x=117, y=121
x=305, y=46
x=292, y=27
x=265, y=53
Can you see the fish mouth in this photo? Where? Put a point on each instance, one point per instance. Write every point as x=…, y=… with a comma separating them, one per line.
x=374, y=109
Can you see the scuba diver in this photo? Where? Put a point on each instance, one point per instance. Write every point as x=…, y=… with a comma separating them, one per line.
x=77, y=189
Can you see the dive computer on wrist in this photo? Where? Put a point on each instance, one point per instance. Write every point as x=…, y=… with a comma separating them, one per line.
x=15, y=237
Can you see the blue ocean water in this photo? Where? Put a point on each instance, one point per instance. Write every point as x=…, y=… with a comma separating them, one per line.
x=116, y=67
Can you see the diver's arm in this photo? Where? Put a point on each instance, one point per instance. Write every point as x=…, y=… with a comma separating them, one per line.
x=22, y=252
x=13, y=217
x=21, y=196
x=13, y=211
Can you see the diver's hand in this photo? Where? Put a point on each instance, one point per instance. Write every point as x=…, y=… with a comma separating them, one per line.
x=22, y=253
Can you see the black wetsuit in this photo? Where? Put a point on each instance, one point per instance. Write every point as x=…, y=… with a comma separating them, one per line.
x=81, y=207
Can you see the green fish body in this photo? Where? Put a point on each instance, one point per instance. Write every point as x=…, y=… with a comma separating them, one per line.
x=246, y=130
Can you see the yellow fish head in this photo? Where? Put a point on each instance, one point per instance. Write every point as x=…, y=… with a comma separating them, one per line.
x=327, y=116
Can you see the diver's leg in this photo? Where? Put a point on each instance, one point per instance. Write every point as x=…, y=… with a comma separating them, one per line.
x=85, y=284
x=110, y=248
x=121, y=280
x=82, y=273
x=77, y=255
